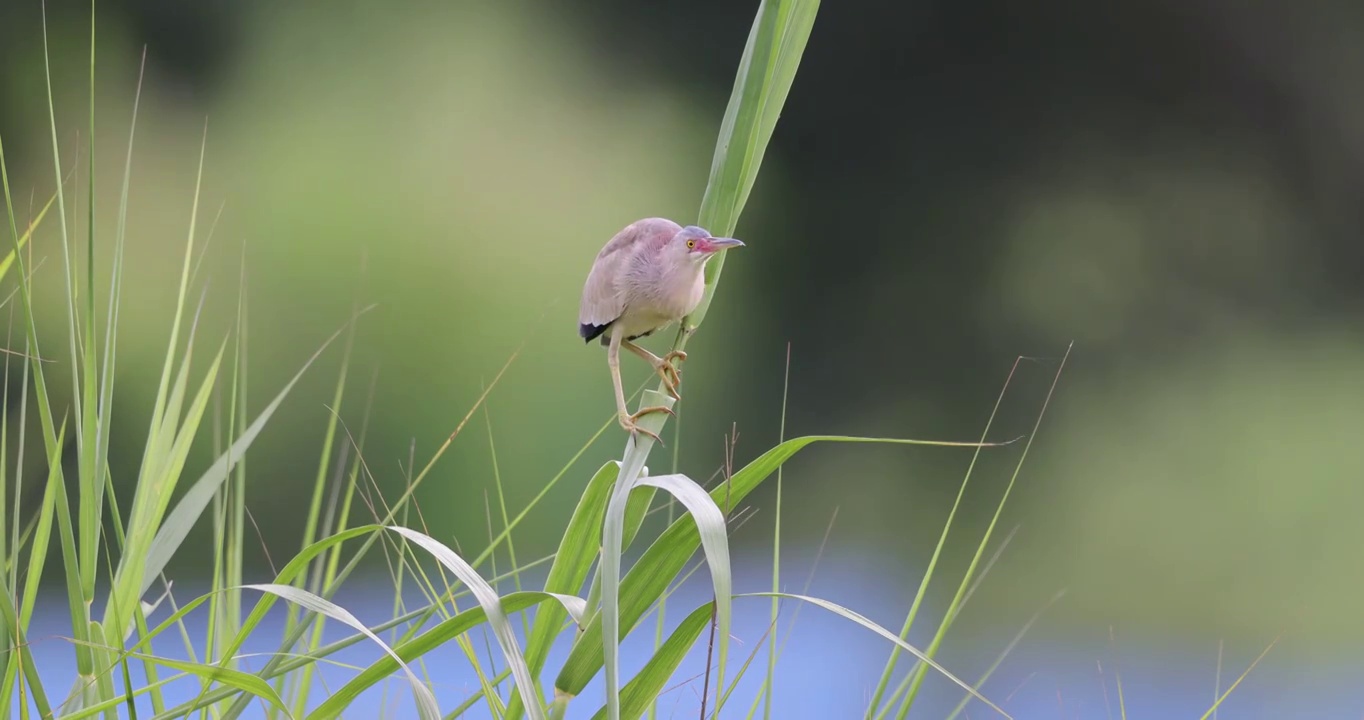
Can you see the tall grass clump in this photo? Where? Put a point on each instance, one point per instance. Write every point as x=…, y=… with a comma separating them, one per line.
x=113, y=557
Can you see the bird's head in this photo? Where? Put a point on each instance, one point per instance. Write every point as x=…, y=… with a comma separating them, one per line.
x=697, y=246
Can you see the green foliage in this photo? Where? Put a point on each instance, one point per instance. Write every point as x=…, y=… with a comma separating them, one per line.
x=643, y=689
x=847, y=614
x=96, y=541
x=426, y=702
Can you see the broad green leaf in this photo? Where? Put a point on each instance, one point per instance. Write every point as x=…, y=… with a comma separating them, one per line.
x=710, y=525
x=648, y=579
x=637, y=508
x=644, y=688
x=572, y=562
x=426, y=702
x=847, y=614
x=766, y=70
x=613, y=538
x=438, y=635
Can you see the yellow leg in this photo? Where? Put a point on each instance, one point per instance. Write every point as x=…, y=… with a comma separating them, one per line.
x=627, y=420
x=663, y=366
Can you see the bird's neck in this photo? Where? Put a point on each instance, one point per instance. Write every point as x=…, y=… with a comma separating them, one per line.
x=683, y=284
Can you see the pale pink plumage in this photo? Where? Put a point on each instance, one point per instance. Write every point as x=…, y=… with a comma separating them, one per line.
x=648, y=276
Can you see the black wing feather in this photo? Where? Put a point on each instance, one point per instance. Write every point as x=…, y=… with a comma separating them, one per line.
x=590, y=332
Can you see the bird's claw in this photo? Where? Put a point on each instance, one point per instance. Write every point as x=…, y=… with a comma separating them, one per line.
x=631, y=422
x=672, y=377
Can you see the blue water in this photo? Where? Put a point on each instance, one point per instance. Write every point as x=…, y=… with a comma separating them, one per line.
x=828, y=669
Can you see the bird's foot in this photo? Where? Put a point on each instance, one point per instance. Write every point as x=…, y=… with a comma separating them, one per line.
x=631, y=422
x=667, y=369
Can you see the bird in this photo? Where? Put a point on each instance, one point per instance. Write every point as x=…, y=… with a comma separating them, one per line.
x=648, y=276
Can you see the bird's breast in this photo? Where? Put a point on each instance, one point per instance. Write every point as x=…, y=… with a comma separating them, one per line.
x=681, y=293
x=661, y=300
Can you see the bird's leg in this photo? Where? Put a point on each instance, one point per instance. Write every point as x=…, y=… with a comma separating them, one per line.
x=628, y=420
x=663, y=366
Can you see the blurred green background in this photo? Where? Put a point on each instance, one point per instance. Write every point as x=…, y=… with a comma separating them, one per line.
x=1171, y=185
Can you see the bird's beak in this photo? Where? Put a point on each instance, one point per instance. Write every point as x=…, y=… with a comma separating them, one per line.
x=718, y=244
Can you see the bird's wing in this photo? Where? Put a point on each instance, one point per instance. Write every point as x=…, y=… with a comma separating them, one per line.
x=602, y=300
x=604, y=293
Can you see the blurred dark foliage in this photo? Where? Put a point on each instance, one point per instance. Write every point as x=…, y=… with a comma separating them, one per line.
x=918, y=111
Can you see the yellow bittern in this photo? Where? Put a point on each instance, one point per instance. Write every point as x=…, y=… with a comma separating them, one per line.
x=650, y=275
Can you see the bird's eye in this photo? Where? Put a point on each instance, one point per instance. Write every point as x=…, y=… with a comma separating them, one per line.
x=691, y=244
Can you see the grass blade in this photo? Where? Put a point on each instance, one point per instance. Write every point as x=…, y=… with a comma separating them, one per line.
x=766, y=70
x=649, y=577
x=293, y=636
x=24, y=659
x=149, y=507
x=178, y=522
x=613, y=544
x=441, y=633
x=114, y=702
x=43, y=534
x=24, y=238
x=1239, y=678
x=80, y=629
x=999, y=660
x=639, y=694
x=426, y=702
x=572, y=563
x=914, y=605
x=984, y=541
x=710, y=526
x=847, y=614
x=492, y=606
x=245, y=682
